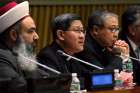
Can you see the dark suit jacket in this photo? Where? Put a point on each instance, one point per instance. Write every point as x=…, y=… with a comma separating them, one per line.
x=49, y=56
x=97, y=55
x=136, y=64
x=11, y=77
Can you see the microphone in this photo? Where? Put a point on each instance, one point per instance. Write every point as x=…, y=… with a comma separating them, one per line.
x=44, y=66
x=117, y=52
x=71, y=57
x=130, y=57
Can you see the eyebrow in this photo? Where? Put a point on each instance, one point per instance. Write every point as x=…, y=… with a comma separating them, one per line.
x=78, y=26
x=32, y=29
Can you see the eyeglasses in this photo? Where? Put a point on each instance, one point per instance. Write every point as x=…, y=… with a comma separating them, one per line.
x=114, y=29
x=78, y=31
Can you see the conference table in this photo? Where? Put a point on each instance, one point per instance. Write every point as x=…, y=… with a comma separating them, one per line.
x=134, y=90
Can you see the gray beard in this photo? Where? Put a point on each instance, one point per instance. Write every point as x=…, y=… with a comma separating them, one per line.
x=25, y=61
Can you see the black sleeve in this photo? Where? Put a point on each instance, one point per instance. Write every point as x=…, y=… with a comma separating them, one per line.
x=48, y=59
x=115, y=62
x=109, y=61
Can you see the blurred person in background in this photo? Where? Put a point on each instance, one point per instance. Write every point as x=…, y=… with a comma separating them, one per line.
x=131, y=34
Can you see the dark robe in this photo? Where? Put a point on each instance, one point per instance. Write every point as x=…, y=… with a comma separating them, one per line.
x=97, y=55
x=49, y=56
x=11, y=77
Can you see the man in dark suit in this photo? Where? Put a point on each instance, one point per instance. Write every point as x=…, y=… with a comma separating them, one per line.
x=131, y=34
x=68, y=36
x=101, y=45
x=17, y=39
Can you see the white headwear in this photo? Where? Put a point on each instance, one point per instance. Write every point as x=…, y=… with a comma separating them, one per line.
x=12, y=13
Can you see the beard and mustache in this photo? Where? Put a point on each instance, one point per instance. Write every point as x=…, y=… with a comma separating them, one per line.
x=25, y=55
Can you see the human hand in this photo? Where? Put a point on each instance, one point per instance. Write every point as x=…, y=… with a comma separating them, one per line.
x=121, y=48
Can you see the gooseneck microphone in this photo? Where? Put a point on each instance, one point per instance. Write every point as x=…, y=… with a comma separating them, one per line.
x=117, y=51
x=44, y=66
x=71, y=57
x=130, y=57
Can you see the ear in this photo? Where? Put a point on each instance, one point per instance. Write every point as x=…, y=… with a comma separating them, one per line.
x=131, y=30
x=94, y=30
x=13, y=35
x=60, y=34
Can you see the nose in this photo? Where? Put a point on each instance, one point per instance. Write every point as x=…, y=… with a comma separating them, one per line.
x=115, y=35
x=82, y=35
x=36, y=37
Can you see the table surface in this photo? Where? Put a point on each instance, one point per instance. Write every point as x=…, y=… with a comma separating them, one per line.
x=134, y=90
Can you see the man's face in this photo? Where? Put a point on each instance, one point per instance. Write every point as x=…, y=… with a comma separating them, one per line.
x=27, y=35
x=28, y=31
x=25, y=42
x=108, y=34
x=74, y=37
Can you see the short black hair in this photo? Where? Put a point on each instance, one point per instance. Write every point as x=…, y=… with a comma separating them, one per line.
x=63, y=22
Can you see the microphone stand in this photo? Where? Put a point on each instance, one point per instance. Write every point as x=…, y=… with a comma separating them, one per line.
x=44, y=66
x=130, y=57
x=71, y=57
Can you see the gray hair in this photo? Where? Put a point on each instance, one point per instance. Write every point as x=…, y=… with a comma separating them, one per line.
x=105, y=15
x=98, y=18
